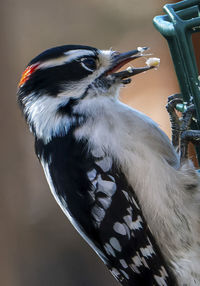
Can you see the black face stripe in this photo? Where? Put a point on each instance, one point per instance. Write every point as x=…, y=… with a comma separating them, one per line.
x=67, y=109
x=53, y=80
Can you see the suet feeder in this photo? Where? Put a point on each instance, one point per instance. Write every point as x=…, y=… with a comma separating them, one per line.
x=180, y=22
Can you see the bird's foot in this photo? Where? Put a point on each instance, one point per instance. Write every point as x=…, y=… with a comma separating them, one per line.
x=181, y=132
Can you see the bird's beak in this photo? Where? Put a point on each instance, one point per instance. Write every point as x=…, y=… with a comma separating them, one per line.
x=120, y=59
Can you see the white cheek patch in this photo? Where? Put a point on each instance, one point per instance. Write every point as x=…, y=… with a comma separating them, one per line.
x=42, y=114
x=75, y=89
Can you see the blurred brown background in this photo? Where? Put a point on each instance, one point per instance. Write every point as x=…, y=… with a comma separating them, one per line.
x=38, y=246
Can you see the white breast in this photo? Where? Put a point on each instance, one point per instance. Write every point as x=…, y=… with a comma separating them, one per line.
x=152, y=167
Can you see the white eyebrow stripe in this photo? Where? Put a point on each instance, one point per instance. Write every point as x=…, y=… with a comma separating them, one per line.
x=76, y=54
x=53, y=62
x=66, y=58
x=79, y=53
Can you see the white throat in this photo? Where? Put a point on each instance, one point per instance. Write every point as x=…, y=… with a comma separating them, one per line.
x=46, y=122
x=43, y=117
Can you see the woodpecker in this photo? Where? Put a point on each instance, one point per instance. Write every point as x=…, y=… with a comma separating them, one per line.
x=111, y=169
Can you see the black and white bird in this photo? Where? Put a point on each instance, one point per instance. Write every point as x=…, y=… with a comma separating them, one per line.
x=113, y=172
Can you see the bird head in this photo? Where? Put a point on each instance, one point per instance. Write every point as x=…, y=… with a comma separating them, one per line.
x=57, y=79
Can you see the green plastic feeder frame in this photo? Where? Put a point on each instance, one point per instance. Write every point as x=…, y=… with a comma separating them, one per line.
x=182, y=19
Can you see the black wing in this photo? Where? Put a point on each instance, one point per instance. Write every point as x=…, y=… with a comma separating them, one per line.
x=104, y=208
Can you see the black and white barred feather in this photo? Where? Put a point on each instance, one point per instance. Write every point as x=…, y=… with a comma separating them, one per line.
x=97, y=198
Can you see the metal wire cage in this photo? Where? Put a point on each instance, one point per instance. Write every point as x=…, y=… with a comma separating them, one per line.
x=178, y=25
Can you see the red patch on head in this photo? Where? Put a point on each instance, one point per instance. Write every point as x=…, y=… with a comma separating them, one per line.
x=27, y=73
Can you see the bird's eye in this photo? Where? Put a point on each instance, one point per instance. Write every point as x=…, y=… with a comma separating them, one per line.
x=89, y=64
